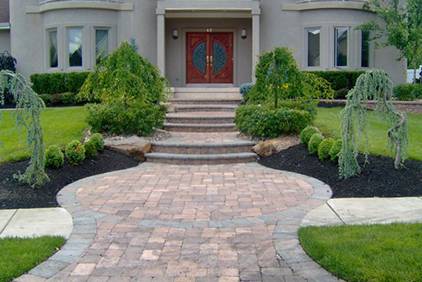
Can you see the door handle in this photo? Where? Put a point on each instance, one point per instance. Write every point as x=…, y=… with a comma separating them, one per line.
x=211, y=60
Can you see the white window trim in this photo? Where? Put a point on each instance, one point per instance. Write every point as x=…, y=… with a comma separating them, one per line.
x=334, y=55
x=306, y=30
x=47, y=49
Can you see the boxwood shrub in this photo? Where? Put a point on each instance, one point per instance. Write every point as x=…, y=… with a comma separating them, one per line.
x=335, y=149
x=408, y=92
x=58, y=82
x=98, y=140
x=90, y=149
x=341, y=81
x=54, y=157
x=324, y=148
x=75, y=152
x=314, y=142
x=306, y=134
x=266, y=122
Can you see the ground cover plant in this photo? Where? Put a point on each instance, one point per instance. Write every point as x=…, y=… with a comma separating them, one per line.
x=130, y=90
x=17, y=256
x=367, y=253
x=28, y=110
x=60, y=126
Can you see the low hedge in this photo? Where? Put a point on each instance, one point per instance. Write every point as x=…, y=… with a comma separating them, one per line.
x=341, y=81
x=58, y=82
x=265, y=122
x=408, y=92
x=61, y=99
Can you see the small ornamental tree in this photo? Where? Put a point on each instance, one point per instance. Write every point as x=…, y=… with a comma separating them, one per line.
x=28, y=111
x=372, y=85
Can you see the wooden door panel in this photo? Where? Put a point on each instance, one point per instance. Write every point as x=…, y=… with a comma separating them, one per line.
x=222, y=57
x=197, y=69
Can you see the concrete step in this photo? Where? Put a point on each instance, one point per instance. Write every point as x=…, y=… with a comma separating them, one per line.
x=203, y=149
x=206, y=95
x=204, y=108
x=201, y=117
x=189, y=127
x=205, y=101
x=194, y=159
x=206, y=90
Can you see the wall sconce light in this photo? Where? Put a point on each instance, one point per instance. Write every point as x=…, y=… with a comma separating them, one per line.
x=243, y=34
x=175, y=34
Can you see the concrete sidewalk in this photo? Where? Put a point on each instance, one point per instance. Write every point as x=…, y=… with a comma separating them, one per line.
x=366, y=211
x=24, y=223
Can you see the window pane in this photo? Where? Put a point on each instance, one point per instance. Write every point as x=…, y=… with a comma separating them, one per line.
x=75, y=46
x=365, y=49
x=52, y=42
x=341, y=46
x=101, y=44
x=313, y=47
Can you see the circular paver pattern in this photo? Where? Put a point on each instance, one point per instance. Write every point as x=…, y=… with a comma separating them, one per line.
x=162, y=222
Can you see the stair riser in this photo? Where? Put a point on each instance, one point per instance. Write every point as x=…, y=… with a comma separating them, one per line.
x=199, y=129
x=200, y=120
x=190, y=110
x=201, y=150
x=207, y=96
x=202, y=162
x=209, y=102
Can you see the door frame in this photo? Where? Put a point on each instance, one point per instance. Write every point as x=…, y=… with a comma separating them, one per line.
x=184, y=55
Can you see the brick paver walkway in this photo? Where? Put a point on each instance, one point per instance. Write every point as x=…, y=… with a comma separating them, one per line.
x=162, y=222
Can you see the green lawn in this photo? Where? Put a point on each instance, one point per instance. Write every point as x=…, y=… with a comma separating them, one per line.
x=328, y=120
x=60, y=126
x=367, y=253
x=17, y=256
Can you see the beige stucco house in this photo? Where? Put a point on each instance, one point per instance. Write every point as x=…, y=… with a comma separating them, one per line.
x=191, y=41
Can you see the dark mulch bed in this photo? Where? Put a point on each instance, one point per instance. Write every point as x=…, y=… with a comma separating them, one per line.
x=378, y=179
x=13, y=195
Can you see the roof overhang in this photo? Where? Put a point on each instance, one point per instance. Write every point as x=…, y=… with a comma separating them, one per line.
x=4, y=26
x=62, y=5
x=207, y=8
x=319, y=5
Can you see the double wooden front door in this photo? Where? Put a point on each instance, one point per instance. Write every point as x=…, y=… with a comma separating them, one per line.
x=209, y=57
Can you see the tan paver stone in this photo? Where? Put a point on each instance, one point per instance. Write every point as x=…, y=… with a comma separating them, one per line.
x=83, y=269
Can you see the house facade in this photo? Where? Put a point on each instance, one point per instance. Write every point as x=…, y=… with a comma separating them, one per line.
x=192, y=42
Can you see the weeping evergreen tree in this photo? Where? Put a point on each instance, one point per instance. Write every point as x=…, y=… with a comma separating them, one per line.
x=28, y=111
x=372, y=85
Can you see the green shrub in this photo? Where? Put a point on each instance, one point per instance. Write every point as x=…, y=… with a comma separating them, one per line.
x=264, y=122
x=245, y=88
x=75, y=152
x=324, y=148
x=54, y=157
x=121, y=119
x=341, y=81
x=60, y=99
x=98, y=140
x=90, y=149
x=335, y=150
x=408, y=92
x=314, y=142
x=307, y=133
x=59, y=82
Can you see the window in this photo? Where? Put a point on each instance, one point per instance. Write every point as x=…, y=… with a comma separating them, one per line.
x=340, y=35
x=53, y=58
x=74, y=37
x=101, y=44
x=313, y=37
x=365, y=49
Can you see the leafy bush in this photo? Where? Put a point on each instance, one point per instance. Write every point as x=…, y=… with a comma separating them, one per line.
x=408, y=92
x=265, y=122
x=130, y=90
x=60, y=99
x=324, y=148
x=314, y=142
x=54, y=157
x=307, y=133
x=335, y=150
x=60, y=82
x=90, y=149
x=98, y=140
x=341, y=81
x=75, y=152
x=245, y=88
x=120, y=119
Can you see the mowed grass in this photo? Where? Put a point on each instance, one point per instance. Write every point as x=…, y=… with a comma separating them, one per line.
x=367, y=253
x=60, y=125
x=328, y=120
x=17, y=256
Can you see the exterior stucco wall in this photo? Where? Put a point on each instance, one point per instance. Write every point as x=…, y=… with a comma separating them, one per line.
x=176, y=48
x=4, y=41
x=278, y=27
